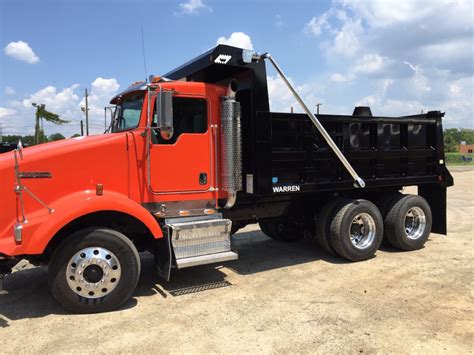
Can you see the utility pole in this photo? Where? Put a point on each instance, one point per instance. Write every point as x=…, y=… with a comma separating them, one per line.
x=87, y=114
x=291, y=109
x=317, y=107
x=82, y=128
x=1, y=132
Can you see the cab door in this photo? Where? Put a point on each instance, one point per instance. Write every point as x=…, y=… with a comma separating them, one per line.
x=183, y=162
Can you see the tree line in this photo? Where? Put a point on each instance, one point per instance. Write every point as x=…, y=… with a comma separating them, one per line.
x=454, y=136
x=29, y=140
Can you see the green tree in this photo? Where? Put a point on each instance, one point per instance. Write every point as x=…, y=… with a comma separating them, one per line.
x=42, y=113
x=454, y=136
x=56, y=137
x=75, y=135
x=25, y=140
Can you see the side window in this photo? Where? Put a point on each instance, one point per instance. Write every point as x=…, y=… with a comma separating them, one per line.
x=189, y=116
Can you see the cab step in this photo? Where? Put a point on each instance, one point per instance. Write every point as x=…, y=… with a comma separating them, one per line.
x=198, y=241
x=206, y=259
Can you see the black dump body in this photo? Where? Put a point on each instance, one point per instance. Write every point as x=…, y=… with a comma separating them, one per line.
x=6, y=147
x=385, y=151
x=285, y=158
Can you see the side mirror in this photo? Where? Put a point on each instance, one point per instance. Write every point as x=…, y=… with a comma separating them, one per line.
x=164, y=110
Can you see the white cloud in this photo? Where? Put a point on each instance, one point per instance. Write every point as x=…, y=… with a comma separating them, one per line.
x=281, y=99
x=21, y=51
x=237, y=39
x=67, y=104
x=102, y=90
x=370, y=64
x=390, y=13
x=6, y=112
x=316, y=25
x=416, y=56
x=105, y=86
x=58, y=102
x=341, y=78
x=9, y=91
x=346, y=41
x=459, y=103
x=381, y=106
x=420, y=81
x=193, y=7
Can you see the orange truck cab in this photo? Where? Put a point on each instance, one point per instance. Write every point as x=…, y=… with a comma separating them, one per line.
x=193, y=156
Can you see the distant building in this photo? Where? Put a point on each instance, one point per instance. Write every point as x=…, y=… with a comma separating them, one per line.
x=466, y=148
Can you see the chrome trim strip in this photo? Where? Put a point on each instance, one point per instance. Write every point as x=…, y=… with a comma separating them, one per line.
x=172, y=208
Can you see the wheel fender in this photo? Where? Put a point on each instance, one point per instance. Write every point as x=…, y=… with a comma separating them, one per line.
x=71, y=207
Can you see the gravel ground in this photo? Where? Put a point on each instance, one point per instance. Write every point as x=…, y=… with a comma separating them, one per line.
x=285, y=298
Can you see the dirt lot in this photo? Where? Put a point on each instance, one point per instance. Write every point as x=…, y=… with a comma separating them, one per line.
x=284, y=298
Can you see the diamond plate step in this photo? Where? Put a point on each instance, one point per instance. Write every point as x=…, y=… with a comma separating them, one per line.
x=206, y=259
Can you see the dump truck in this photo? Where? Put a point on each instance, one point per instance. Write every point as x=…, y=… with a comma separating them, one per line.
x=196, y=154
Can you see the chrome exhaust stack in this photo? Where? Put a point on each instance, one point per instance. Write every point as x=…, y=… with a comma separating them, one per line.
x=231, y=145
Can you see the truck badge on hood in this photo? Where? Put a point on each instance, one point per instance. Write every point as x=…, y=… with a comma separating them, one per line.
x=35, y=175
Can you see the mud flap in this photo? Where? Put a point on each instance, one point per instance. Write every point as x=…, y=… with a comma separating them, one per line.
x=163, y=255
x=435, y=195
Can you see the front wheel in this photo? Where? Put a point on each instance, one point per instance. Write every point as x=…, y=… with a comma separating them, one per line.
x=94, y=270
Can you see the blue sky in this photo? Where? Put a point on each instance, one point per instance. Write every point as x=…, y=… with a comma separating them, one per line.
x=397, y=57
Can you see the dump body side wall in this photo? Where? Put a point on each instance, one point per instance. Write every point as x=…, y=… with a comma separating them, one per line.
x=295, y=163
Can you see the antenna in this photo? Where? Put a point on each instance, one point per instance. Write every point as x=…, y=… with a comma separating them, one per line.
x=144, y=59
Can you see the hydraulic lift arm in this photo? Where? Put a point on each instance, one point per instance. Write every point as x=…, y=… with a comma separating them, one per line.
x=358, y=182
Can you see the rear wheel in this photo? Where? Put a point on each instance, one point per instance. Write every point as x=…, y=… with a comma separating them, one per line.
x=357, y=230
x=323, y=223
x=94, y=270
x=408, y=222
x=285, y=229
x=386, y=200
x=383, y=203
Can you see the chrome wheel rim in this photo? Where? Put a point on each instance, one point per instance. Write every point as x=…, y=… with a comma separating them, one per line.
x=415, y=223
x=362, y=231
x=93, y=272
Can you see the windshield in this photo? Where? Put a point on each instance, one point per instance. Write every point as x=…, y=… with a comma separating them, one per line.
x=128, y=111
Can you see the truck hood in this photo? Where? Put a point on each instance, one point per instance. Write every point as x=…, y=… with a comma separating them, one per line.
x=54, y=170
x=57, y=148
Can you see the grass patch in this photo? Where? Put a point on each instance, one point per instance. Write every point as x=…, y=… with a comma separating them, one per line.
x=457, y=159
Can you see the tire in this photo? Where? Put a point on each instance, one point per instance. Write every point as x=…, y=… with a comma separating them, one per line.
x=323, y=223
x=383, y=203
x=264, y=228
x=94, y=270
x=282, y=230
x=234, y=229
x=386, y=201
x=357, y=230
x=408, y=222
